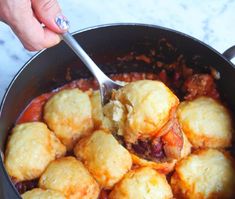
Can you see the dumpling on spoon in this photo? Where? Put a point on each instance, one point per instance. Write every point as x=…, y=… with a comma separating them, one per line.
x=143, y=118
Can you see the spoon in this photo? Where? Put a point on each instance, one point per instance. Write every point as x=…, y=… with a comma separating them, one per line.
x=106, y=85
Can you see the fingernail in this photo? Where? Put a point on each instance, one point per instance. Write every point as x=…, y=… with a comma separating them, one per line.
x=62, y=22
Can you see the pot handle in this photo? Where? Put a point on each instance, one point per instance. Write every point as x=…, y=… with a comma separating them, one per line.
x=229, y=53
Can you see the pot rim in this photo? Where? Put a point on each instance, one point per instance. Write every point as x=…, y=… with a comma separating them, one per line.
x=85, y=30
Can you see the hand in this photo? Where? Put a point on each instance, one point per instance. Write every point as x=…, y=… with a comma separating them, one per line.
x=26, y=18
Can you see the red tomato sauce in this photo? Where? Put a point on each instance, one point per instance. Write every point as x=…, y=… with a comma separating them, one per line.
x=33, y=111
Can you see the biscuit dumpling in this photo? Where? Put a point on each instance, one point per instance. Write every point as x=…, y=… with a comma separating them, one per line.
x=68, y=114
x=142, y=183
x=104, y=157
x=204, y=174
x=206, y=123
x=42, y=194
x=30, y=148
x=69, y=176
x=140, y=109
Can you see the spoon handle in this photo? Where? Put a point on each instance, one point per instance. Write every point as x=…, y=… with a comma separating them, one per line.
x=94, y=69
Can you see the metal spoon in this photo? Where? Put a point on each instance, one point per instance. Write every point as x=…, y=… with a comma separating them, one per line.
x=105, y=83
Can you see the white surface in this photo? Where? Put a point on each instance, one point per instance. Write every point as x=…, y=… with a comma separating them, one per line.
x=209, y=21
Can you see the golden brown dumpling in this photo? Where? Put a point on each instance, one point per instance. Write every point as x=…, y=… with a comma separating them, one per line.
x=141, y=184
x=30, y=148
x=141, y=108
x=104, y=157
x=68, y=114
x=206, y=123
x=42, y=194
x=71, y=178
x=204, y=174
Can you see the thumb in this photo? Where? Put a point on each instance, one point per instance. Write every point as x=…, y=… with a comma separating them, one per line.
x=47, y=12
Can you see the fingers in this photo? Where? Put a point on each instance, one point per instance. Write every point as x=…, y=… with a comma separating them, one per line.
x=31, y=33
x=36, y=38
x=27, y=24
x=47, y=12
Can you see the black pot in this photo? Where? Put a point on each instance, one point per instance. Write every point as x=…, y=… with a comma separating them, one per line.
x=47, y=69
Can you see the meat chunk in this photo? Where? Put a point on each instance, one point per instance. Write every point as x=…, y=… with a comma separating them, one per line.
x=200, y=85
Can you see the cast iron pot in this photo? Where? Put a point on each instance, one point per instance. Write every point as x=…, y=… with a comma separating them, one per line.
x=47, y=70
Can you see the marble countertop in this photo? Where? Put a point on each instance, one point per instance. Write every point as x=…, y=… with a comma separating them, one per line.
x=209, y=21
